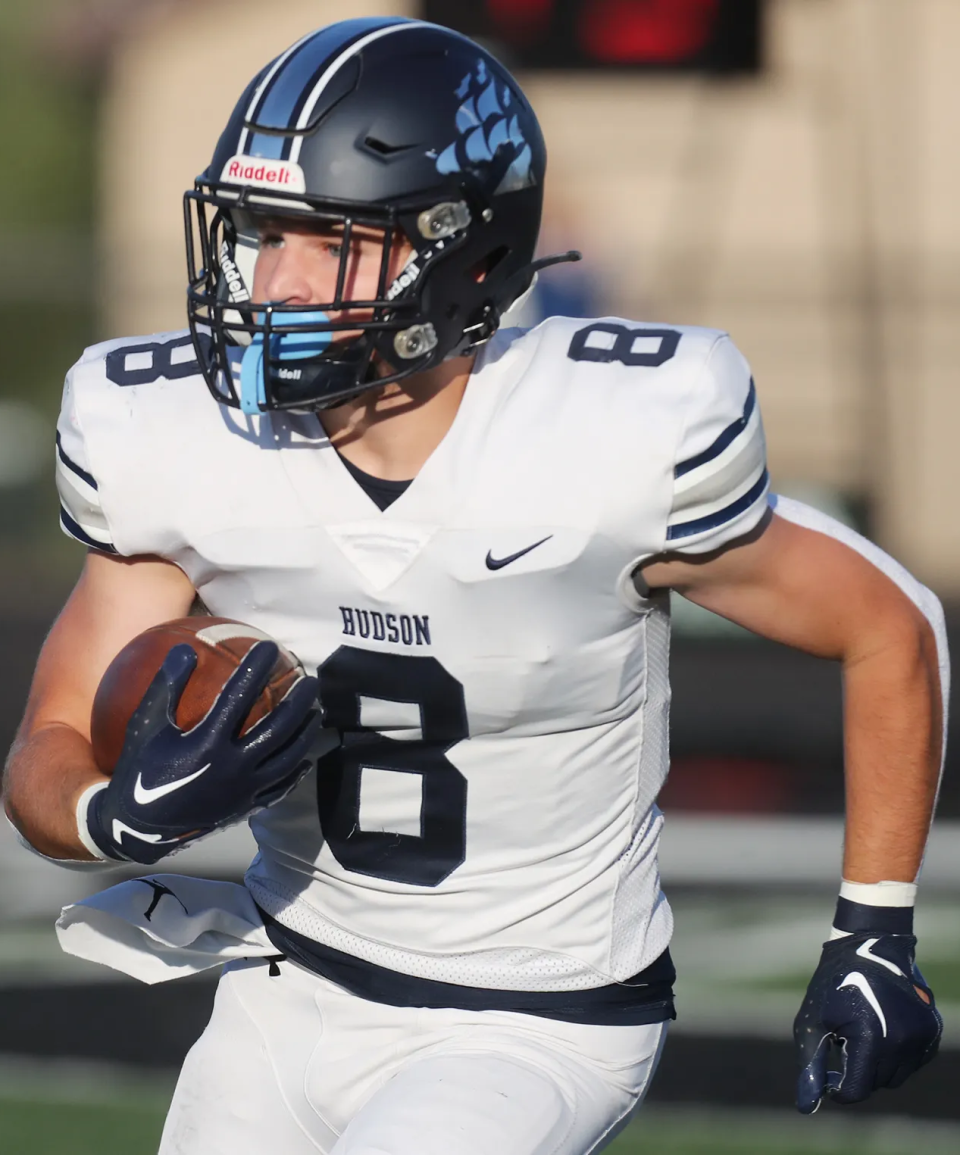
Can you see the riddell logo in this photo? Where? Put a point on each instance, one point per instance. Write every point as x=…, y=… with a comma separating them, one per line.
x=235, y=285
x=407, y=277
x=253, y=170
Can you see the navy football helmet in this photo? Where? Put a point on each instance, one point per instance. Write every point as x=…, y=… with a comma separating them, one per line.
x=389, y=123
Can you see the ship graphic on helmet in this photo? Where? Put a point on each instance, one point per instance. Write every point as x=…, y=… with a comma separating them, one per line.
x=387, y=123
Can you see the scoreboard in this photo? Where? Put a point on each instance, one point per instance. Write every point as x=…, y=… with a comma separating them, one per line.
x=718, y=36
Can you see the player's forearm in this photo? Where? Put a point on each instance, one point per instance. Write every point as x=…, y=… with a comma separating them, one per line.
x=893, y=734
x=45, y=775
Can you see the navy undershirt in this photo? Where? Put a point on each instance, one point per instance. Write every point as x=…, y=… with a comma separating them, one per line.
x=380, y=491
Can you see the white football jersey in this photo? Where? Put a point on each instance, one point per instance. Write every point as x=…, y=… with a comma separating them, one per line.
x=501, y=685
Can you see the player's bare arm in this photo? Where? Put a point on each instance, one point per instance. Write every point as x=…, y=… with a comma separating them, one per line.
x=814, y=593
x=791, y=583
x=51, y=763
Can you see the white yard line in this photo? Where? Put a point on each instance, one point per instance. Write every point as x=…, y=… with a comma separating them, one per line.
x=771, y=851
x=696, y=850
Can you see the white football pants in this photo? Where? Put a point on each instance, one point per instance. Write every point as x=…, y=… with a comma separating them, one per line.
x=294, y=1065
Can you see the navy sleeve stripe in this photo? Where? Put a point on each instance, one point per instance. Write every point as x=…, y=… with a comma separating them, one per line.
x=72, y=465
x=729, y=434
x=712, y=520
x=81, y=534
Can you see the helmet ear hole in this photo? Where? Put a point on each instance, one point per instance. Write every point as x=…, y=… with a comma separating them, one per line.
x=479, y=272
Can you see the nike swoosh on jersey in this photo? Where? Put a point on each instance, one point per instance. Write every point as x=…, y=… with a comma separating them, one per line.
x=500, y=562
x=856, y=979
x=864, y=951
x=144, y=795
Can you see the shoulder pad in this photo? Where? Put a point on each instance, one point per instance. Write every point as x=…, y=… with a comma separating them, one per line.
x=144, y=360
x=97, y=415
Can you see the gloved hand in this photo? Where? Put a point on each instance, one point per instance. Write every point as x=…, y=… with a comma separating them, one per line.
x=171, y=786
x=863, y=997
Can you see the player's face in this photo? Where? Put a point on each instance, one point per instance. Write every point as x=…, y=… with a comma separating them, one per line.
x=298, y=264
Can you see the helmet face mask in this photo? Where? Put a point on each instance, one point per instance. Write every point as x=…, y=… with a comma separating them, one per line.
x=450, y=163
x=318, y=354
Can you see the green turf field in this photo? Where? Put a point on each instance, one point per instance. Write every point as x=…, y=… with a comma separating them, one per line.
x=32, y=1128
x=45, y=1126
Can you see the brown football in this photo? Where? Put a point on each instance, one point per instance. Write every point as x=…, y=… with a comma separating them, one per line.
x=221, y=644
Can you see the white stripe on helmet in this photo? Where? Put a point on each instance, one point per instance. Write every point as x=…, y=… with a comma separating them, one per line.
x=332, y=70
x=261, y=87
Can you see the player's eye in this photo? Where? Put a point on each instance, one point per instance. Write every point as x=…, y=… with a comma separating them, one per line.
x=270, y=240
x=334, y=248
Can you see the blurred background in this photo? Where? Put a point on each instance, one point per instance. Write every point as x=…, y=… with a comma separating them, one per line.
x=787, y=170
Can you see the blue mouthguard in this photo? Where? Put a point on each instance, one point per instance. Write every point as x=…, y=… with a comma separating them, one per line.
x=283, y=347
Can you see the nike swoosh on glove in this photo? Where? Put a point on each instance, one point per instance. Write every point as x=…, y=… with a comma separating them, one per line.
x=171, y=786
x=862, y=997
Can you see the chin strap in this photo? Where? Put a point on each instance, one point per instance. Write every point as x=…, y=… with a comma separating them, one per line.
x=286, y=346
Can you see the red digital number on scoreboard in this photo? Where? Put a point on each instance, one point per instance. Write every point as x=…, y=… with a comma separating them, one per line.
x=718, y=35
x=625, y=32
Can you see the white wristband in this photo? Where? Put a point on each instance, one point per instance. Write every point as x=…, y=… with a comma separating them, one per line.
x=896, y=895
x=83, y=829
x=879, y=893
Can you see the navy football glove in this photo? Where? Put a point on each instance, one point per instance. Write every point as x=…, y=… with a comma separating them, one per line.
x=171, y=786
x=862, y=998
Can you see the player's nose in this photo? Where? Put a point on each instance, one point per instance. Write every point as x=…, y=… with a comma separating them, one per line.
x=297, y=280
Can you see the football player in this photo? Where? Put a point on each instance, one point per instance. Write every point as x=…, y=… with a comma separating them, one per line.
x=470, y=533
